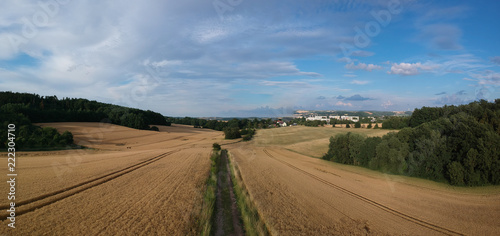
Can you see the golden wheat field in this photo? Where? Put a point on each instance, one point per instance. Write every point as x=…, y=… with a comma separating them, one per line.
x=299, y=195
x=130, y=183
x=134, y=182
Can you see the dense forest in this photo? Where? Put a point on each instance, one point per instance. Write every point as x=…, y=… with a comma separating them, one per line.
x=23, y=109
x=455, y=144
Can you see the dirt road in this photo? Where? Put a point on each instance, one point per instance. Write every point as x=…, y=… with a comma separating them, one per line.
x=299, y=195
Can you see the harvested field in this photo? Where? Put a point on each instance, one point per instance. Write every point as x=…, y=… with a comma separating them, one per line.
x=152, y=184
x=299, y=195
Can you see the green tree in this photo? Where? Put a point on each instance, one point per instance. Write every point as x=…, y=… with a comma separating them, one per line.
x=456, y=173
x=232, y=133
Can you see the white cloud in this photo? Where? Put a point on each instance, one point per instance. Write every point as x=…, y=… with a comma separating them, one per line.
x=362, y=66
x=340, y=103
x=410, y=68
x=360, y=82
x=297, y=84
x=488, y=77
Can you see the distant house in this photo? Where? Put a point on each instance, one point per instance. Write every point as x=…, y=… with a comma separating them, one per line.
x=281, y=123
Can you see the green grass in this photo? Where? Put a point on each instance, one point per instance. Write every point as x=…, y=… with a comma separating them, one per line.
x=252, y=222
x=206, y=219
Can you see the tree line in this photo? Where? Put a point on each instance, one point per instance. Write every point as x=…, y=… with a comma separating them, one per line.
x=233, y=129
x=455, y=144
x=23, y=109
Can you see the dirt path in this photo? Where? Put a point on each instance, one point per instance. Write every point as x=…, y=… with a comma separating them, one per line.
x=227, y=219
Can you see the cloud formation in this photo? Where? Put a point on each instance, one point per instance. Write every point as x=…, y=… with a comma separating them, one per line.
x=410, y=68
x=488, y=77
x=362, y=66
x=360, y=82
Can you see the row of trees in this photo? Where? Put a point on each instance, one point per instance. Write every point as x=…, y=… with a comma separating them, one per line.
x=39, y=109
x=483, y=111
x=461, y=148
x=220, y=125
x=233, y=129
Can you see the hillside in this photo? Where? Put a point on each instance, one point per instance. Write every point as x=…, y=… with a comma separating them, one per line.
x=24, y=109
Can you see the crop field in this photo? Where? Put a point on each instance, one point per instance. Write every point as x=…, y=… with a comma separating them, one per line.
x=133, y=182
x=129, y=182
x=310, y=141
x=299, y=195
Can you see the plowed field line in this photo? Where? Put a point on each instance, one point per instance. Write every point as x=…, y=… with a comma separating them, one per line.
x=69, y=191
x=397, y=213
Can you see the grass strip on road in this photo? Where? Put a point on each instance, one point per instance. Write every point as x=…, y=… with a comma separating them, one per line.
x=207, y=211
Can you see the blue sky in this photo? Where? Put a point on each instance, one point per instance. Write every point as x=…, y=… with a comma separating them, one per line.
x=253, y=58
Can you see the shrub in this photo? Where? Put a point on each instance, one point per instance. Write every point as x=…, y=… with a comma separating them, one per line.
x=216, y=146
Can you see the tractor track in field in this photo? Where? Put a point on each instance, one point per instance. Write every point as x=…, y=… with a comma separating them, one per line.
x=385, y=208
x=171, y=194
x=32, y=204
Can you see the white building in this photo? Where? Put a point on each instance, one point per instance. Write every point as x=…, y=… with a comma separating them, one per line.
x=351, y=118
x=322, y=118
